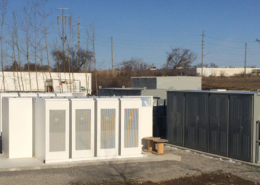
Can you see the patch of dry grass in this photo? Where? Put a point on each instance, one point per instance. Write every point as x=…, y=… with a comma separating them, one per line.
x=248, y=83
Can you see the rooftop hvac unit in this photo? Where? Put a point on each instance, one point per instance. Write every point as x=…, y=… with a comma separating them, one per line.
x=63, y=94
x=107, y=111
x=17, y=127
x=130, y=126
x=82, y=127
x=51, y=129
x=2, y=95
x=46, y=94
x=27, y=94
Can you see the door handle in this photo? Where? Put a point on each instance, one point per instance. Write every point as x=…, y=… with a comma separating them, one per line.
x=241, y=128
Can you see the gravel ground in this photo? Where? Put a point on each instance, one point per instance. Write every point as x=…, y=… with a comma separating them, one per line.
x=192, y=164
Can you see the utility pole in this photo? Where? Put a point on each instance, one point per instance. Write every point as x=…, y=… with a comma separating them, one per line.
x=202, y=47
x=112, y=57
x=63, y=19
x=245, y=56
x=79, y=44
x=95, y=62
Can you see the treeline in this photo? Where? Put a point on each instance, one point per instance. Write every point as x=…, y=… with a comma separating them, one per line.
x=30, y=41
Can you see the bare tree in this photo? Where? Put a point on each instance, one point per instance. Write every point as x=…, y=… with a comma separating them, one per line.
x=213, y=65
x=70, y=40
x=26, y=29
x=13, y=55
x=85, y=64
x=3, y=8
x=57, y=59
x=16, y=43
x=179, y=59
x=19, y=58
x=35, y=10
x=94, y=56
x=134, y=65
x=45, y=29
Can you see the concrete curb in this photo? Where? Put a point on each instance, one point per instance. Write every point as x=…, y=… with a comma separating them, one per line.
x=149, y=158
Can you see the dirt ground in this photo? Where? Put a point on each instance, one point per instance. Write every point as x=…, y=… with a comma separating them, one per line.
x=203, y=179
x=194, y=168
x=248, y=83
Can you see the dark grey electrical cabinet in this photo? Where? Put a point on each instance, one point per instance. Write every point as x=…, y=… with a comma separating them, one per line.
x=224, y=123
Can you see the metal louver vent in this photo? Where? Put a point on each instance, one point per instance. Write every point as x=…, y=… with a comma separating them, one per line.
x=83, y=129
x=131, y=127
x=108, y=130
x=57, y=130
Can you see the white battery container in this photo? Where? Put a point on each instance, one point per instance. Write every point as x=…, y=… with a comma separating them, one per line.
x=2, y=95
x=17, y=137
x=52, y=129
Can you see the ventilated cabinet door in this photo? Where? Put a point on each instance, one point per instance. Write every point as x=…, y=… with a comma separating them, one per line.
x=108, y=128
x=57, y=131
x=83, y=129
x=131, y=128
x=196, y=127
x=219, y=119
x=175, y=117
x=241, y=115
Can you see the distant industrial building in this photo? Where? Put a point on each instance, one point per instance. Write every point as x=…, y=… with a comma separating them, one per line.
x=44, y=81
x=225, y=71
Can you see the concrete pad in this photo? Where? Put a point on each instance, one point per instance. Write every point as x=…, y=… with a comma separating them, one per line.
x=34, y=164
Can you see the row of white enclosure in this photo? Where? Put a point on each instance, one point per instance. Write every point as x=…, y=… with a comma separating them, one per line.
x=42, y=94
x=55, y=129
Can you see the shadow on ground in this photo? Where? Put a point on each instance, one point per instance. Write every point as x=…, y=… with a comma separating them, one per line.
x=203, y=179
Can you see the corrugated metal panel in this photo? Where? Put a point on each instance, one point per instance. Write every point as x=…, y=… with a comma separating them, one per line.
x=83, y=129
x=241, y=115
x=57, y=130
x=196, y=127
x=131, y=127
x=219, y=118
x=108, y=117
